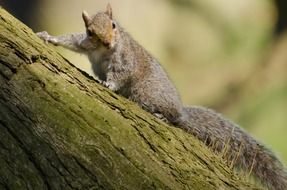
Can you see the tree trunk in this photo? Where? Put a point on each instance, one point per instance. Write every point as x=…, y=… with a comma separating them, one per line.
x=60, y=129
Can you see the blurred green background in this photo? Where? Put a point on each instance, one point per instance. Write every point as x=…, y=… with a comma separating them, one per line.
x=230, y=55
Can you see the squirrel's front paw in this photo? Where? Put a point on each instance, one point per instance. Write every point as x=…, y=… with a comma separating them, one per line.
x=47, y=38
x=111, y=85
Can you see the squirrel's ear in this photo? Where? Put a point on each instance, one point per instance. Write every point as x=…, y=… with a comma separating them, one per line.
x=86, y=18
x=109, y=11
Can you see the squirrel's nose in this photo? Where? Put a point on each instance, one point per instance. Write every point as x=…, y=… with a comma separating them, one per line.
x=108, y=45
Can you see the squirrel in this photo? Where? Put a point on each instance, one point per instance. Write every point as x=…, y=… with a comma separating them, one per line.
x=125, y=67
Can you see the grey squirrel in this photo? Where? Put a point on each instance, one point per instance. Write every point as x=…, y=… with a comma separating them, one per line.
x=127, y=68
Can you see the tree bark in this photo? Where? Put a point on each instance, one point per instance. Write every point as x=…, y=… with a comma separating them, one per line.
x=60, y=129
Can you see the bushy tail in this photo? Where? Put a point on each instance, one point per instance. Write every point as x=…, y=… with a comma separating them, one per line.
x=237, y=147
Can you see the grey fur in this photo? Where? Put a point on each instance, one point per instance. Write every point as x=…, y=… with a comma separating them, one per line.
x=126, y=67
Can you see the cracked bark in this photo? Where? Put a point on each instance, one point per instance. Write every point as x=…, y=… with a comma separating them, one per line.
x=60, y=129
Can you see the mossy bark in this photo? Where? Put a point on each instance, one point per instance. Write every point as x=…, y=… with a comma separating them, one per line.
x=60, y=129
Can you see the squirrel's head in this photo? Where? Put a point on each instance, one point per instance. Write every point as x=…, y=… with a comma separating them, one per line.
x=101, y=28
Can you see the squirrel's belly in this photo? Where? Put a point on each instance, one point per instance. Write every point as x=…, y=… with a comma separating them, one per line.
x=98, y=64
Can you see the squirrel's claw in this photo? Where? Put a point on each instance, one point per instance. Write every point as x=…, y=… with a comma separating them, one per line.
x=111, y=85
x=44, y=36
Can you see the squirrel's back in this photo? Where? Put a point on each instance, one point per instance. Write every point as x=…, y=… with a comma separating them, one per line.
x=149, y=84
x=237, y=147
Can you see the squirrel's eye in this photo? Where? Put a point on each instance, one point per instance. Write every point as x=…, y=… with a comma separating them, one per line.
x=113, y=25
